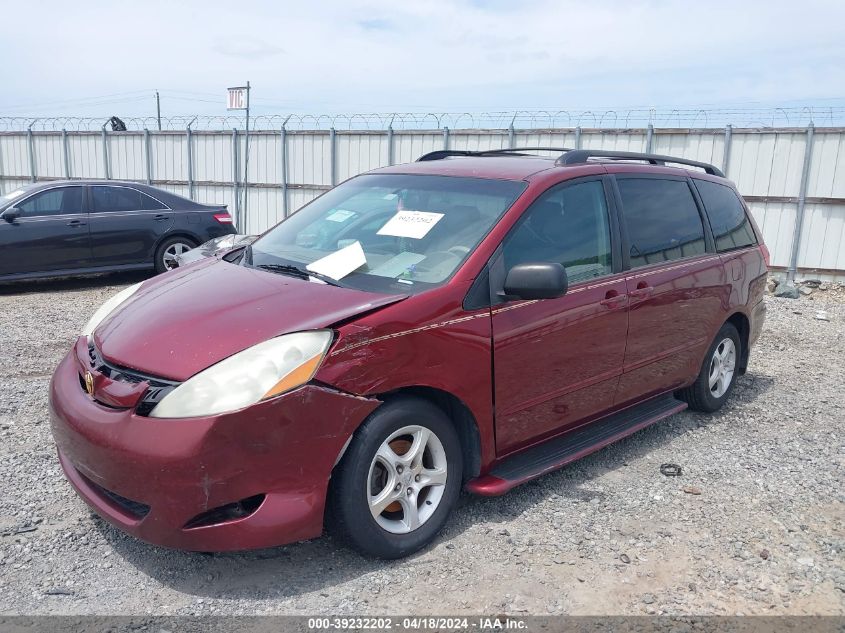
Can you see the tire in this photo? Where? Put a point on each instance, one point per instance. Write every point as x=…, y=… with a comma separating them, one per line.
x=707, y=394
x=362, y=477
x=169, y=247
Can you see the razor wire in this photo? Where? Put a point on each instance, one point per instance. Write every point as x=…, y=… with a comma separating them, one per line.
x=832, y=116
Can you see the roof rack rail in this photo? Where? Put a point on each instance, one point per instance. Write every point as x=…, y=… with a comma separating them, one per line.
x=515, y=151
x=577, y=156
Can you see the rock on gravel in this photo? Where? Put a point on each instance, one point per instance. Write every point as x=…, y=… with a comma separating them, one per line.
x=608, y=534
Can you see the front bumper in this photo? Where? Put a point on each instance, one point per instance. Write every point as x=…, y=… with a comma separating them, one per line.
x=151, y=477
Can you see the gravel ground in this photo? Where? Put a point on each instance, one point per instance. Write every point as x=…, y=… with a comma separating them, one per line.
x=753, y=526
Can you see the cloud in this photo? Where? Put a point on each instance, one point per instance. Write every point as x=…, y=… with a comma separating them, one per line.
x=383, y=55
x=376, y=24
x=246, y=47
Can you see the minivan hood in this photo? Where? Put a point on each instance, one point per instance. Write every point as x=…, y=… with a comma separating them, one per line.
x=182, y=322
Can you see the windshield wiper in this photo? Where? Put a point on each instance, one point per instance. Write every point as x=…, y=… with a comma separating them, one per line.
x=296, y=271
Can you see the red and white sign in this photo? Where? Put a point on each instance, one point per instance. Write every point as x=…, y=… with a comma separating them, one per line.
x=237, y=99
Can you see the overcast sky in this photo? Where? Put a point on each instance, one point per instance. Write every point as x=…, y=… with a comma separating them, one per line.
x=96, y=58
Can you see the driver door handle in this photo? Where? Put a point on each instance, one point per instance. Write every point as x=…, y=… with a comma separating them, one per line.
x=75, y=223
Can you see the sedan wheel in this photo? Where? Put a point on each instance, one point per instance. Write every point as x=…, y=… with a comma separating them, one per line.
x=172, y=252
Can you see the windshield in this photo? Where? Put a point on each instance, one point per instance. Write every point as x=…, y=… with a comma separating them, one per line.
x=387, y=232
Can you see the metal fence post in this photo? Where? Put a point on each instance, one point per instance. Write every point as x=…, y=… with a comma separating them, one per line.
x=649, y=138
x=148, y=159
x=726, y=157
x=65, y=154
x=445, y=138
x=235, y=178
x=30, y=145
x=802, y=200
x=390, y=156
x=189, y=136
x=285, y=168
x=578, y=137
x=511, y=136
x=106, y=162
x=333, y=156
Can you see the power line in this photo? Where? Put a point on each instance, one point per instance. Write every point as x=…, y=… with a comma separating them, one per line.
x=79, y=100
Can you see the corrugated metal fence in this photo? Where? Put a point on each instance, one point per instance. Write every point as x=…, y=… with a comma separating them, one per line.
x=288, y=168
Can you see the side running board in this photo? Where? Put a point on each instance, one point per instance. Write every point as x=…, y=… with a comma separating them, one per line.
x=563, y=449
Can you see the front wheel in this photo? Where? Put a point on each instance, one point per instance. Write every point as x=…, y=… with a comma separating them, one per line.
x=718, y=373
x=399, y=480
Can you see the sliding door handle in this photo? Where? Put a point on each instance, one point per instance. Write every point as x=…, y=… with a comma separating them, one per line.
x=613, y=299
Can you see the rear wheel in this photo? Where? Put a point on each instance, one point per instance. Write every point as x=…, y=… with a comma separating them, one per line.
x=399, y=480
x=168, y=251
x=718, y=373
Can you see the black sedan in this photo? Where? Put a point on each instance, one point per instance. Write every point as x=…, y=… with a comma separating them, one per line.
x=76, y=227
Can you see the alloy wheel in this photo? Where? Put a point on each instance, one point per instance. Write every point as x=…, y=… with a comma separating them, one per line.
x=169, y=257
x=722, y=367
x=407, y=478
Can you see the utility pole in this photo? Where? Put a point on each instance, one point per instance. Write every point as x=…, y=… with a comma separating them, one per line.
x=158, y=111
x=246, y=155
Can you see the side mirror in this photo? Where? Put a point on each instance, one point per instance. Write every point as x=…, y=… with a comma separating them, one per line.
x=11, y=214
x=541, y=280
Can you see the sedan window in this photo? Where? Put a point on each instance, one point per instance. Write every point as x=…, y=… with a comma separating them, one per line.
x=58, y=201
x=108, y=198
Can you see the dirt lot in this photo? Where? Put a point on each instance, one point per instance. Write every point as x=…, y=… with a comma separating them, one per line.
x=608, y=535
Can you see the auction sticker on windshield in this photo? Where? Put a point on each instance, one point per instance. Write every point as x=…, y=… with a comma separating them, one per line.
x=340, y=263
x=413, y=224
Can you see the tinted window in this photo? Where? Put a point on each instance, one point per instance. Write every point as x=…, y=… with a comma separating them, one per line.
x=53, y=202
x=122, y=199
x=730, y=225
x=662, y=220
x=569, y=225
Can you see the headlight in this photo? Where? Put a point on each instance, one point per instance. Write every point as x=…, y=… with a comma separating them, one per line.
x=263, y=371
x=107, y=308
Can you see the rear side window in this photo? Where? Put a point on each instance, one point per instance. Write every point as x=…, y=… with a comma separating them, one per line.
x=59, y=201
x=662, y=220
x=122, y=199
x=730, y=225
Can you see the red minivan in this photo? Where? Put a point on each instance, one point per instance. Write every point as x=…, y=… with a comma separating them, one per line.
x=469, y=321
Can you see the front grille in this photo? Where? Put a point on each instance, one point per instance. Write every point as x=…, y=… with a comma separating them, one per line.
x=159, y=387
x=122, y=374
x=134, y=508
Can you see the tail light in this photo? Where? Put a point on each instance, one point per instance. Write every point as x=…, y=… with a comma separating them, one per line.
x=766, y=256
x=223, y=217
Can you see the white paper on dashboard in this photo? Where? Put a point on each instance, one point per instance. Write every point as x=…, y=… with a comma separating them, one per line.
x=413, y=224
x=341, y=215
x=340, y=263
x=397, y=265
